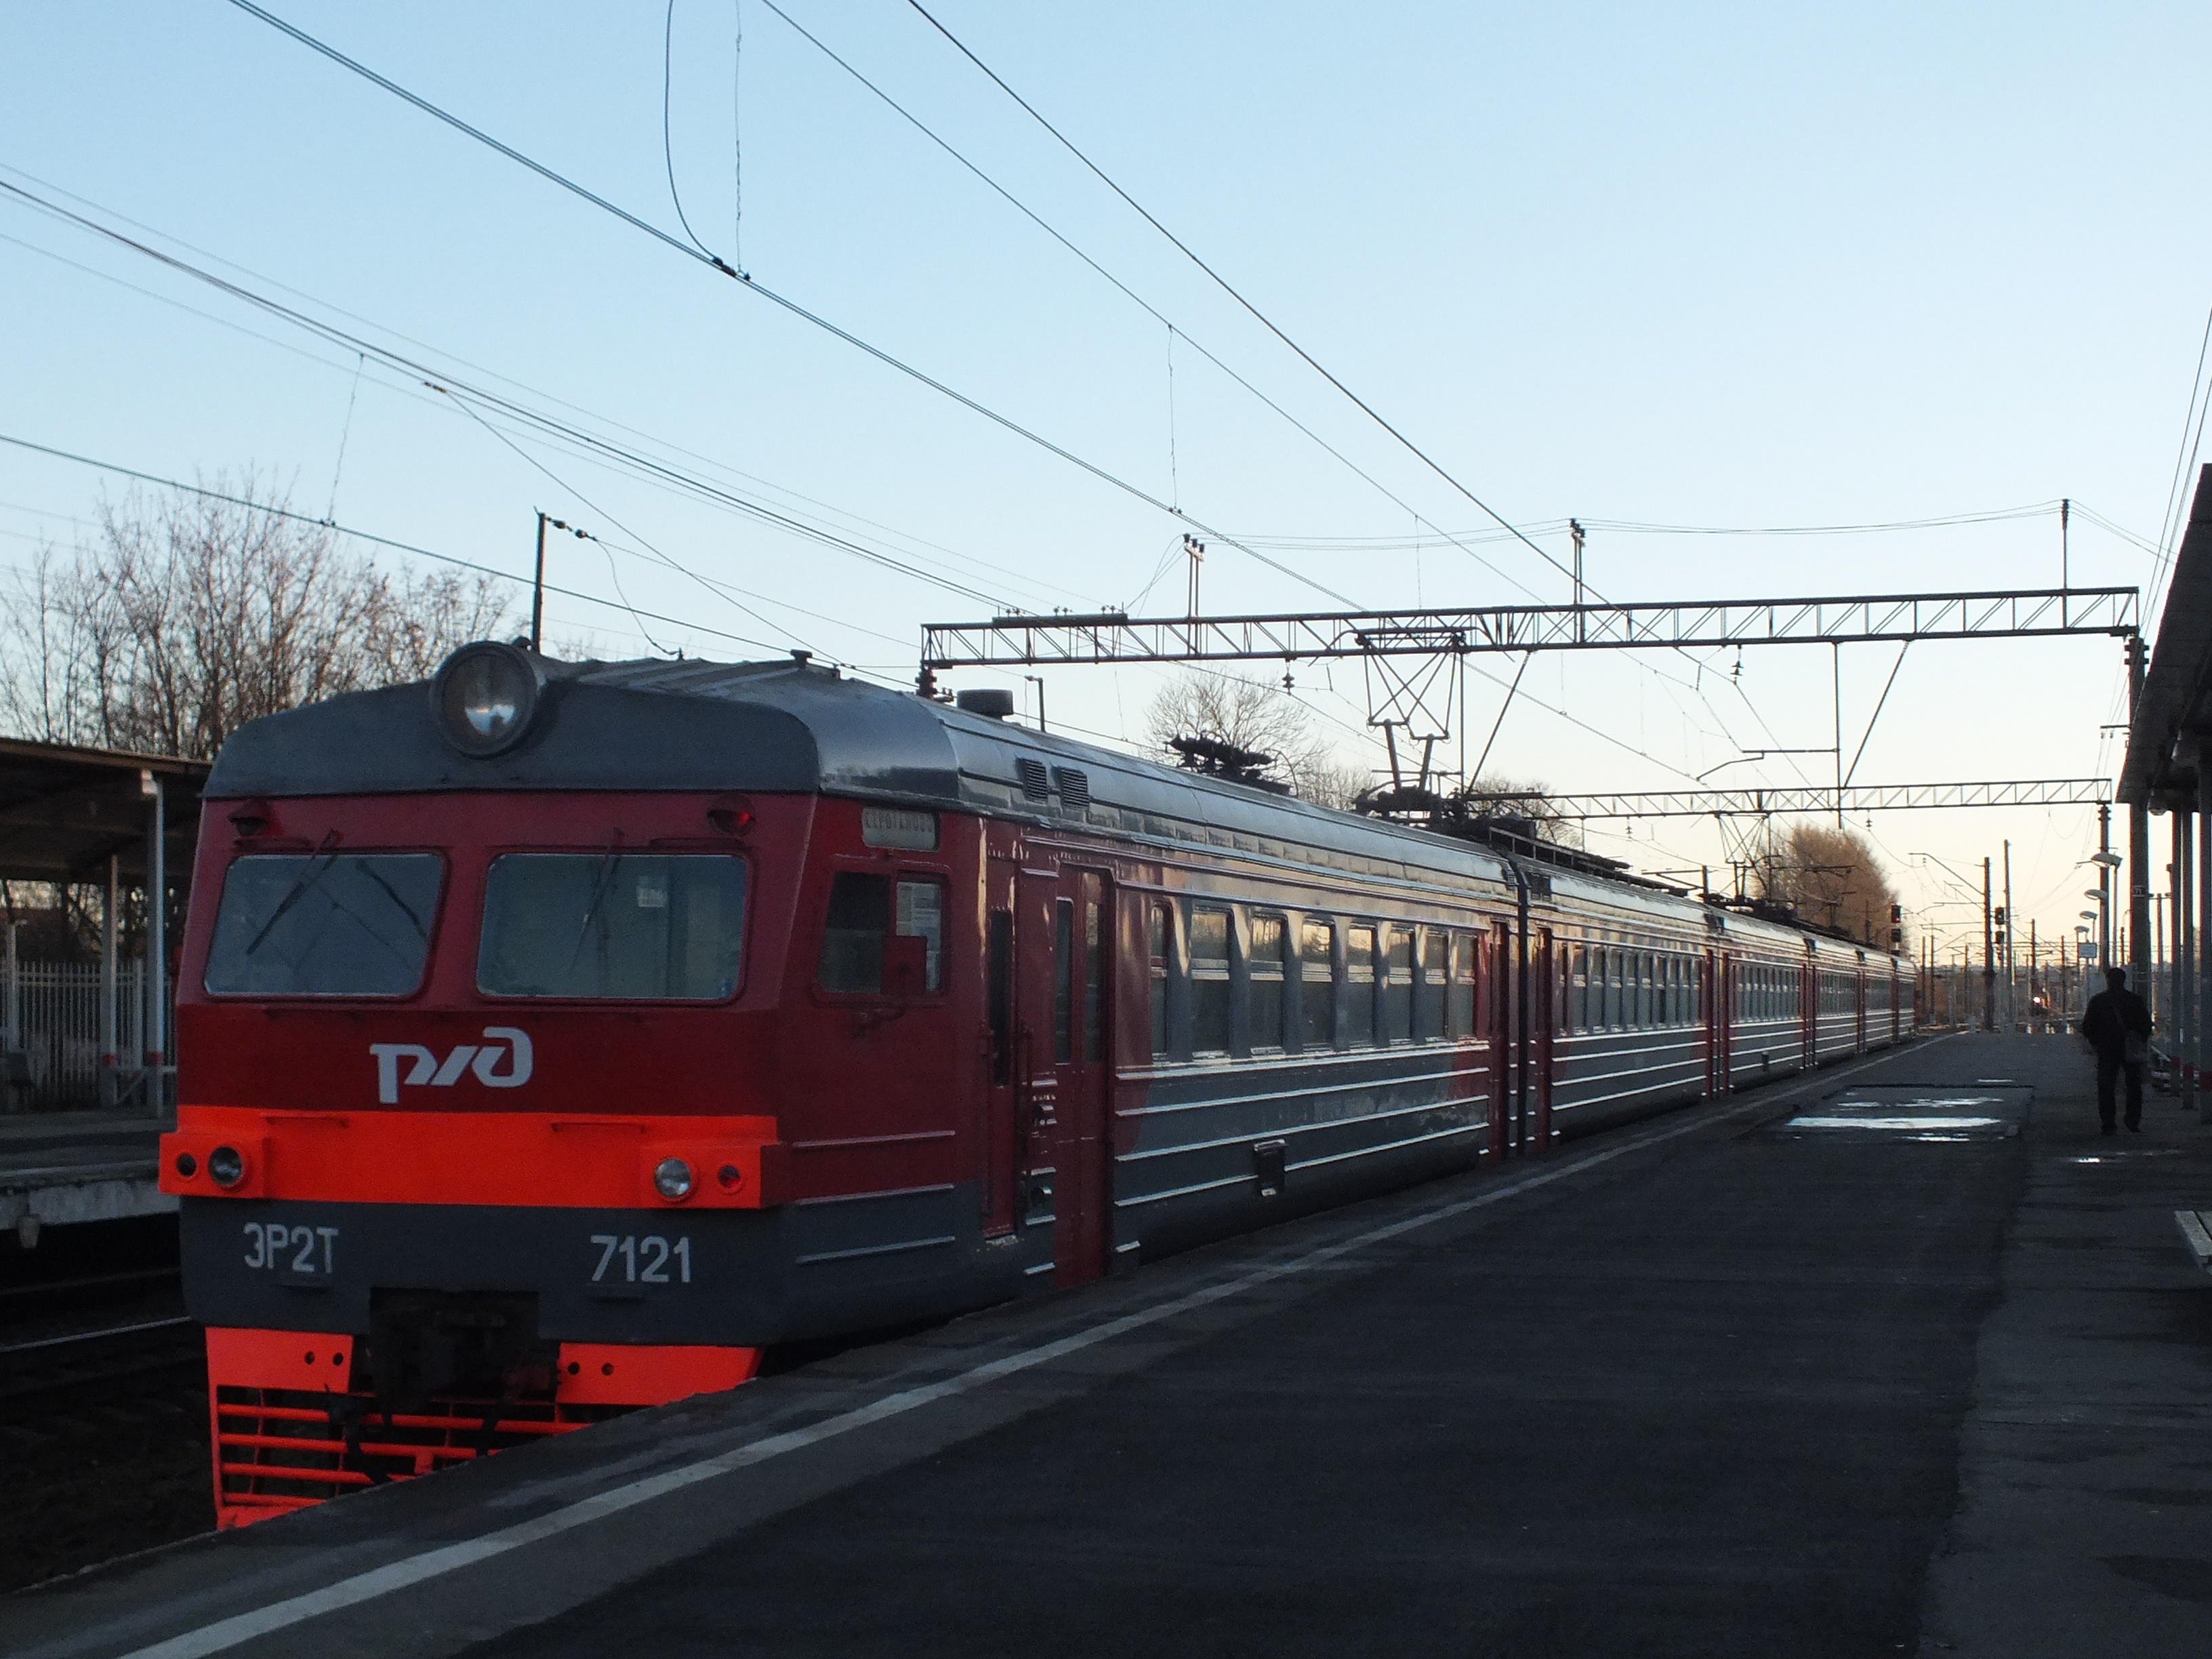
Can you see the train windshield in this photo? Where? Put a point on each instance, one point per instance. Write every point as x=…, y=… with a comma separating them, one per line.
x=644, y=927
x=323, y=924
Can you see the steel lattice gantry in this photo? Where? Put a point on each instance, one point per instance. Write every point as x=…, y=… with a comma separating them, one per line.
x=1822, y=798
x=1112, y=637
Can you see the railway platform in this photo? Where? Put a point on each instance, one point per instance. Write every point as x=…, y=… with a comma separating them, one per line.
x=60, y=1169
x=1904, y=1358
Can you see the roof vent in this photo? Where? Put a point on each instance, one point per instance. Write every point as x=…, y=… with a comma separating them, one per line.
x=992, y=702
x=1034, y=784
x=1074, y=786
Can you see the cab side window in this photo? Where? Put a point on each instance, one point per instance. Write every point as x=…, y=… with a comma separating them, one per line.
x=864, y=910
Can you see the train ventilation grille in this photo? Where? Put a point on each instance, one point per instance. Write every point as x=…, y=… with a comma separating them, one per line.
x=1074, y=786
x=1034, y=784
x=282, y=1448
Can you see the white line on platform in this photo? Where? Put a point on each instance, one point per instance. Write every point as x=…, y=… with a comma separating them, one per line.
x=451, y=1558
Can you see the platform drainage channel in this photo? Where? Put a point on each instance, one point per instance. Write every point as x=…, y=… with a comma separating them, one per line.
x=1913, y=1112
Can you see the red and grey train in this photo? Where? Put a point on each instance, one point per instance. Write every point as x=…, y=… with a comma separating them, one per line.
x=556, y=1038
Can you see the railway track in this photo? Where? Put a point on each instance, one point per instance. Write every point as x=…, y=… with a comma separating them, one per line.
x=82, y=1372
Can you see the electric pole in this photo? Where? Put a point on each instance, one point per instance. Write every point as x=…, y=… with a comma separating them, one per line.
x=1989, y=957
x=2006, y=929
x=538, y=592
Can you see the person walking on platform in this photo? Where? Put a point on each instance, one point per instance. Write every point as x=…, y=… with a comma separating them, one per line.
x=2116, y=1025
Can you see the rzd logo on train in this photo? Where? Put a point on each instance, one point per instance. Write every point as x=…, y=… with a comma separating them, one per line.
x=426, y=1070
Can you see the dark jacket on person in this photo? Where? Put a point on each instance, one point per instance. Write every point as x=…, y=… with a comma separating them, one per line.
x=2112, y=1017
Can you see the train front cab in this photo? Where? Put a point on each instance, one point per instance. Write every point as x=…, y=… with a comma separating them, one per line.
x=652, y=1083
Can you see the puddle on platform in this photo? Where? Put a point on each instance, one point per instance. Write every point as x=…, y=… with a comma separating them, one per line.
x=1991, y=1110
x=2132, y=1151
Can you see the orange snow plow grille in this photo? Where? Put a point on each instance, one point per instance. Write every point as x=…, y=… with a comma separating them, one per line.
x=289, y=1431
x=284, y=1448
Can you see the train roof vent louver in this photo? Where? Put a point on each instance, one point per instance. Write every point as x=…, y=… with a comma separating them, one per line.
x=1074, y=786
x=1034, y=782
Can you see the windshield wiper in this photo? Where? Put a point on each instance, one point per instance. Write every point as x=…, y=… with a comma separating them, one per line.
x=602, y=883
x=368, y=869
x=308, y=876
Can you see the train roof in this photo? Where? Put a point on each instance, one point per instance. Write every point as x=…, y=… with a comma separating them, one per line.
x=791, y=726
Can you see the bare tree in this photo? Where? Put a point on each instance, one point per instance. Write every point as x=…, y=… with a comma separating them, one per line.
x=1246, y=714
x=1831, y=877
x=1530, y=799
x=186, y=616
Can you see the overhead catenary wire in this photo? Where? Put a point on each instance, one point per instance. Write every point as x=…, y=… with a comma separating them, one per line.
x=711, y=463
x=392, y=542
x=888, y=359
x=1220, y=281
x=1136, y=299
x=426, y=372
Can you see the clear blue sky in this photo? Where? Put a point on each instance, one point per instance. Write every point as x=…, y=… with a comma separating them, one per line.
x=1709, y=265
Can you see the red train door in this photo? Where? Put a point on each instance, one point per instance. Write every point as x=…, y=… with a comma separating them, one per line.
x=1716, y=989
x=1066, y=932
x=1544, y=1015
x=1498, y=996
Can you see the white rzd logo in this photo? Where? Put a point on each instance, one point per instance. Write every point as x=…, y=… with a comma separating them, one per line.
x=426, y=1068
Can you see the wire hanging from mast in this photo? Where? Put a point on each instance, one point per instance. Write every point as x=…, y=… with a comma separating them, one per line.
x=667, y=142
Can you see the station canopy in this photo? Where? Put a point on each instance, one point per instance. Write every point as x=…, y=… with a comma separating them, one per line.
x=65, y=812
x=2174, y=717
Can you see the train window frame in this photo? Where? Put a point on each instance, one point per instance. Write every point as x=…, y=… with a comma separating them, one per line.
x=1160, y=955
x=1201, y=971
x=1431, y=983
x=894, y=875
x=1330, y=965
x=685, y=849
x=1266, y=981
x=1356, y=1018
x=431, y=925
x=1394, y=1013
x=1463, y=996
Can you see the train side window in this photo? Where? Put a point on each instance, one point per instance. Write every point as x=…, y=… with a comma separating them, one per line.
x=1209, y=980
x=1462, y=1000
x=863, y=910
x=1063, y=980
x=921, y=916
x=999, y=991
x=1397, y=977
x=1435, y=983
x=1612, y=960
x=1643, y=964
x=853, y=936
x=1578, y=996
x=1316, y=984
x=1094, y=969
x=1359, y=987
x=1159, y=950
x=1264, y=966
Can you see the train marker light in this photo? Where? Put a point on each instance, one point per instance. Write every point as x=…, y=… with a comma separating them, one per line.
x=730, y=1177
x=484, y=696
x=226, y=1166
x=671, y=1179
x=187, y=1165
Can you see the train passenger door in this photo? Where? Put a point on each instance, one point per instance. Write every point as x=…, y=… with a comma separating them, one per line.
x=1714, y=971
x=1498, y=1003
x=1544, y=1015
x=1065, y=932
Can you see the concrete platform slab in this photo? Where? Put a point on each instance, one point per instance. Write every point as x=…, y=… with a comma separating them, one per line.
x=1693, y=1390
x=58, y=1168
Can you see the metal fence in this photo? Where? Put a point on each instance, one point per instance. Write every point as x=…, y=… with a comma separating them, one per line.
x=52, y=1016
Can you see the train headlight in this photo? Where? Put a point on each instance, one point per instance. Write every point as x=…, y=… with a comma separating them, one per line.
x=226, y=1166
x=671, y=1179
x=484, y=696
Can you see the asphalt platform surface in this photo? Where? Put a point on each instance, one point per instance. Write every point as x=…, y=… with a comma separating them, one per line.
x=1901, y=1358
